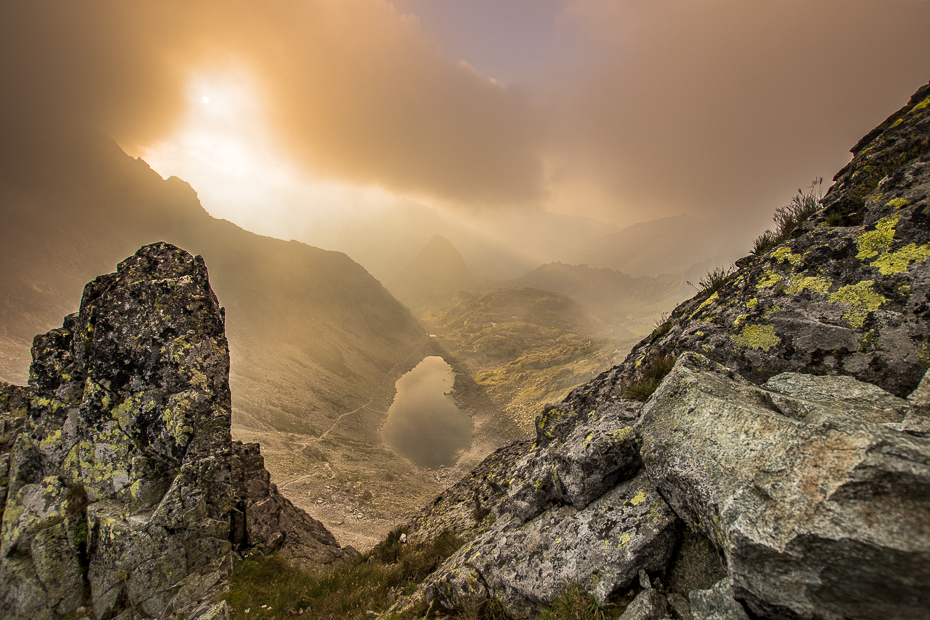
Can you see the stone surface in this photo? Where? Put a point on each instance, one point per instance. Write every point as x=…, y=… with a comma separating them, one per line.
x=648, y=605
x=270, y=522
x=716, y=603
x=821, y=516
x=121, y=492
x=525, y=565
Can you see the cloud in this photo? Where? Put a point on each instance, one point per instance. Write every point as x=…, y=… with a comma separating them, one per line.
x=351, y=89
x=725, y=106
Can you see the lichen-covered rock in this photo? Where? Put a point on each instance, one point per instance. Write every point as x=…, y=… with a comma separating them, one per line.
x=525, y=565
x=848, y=294
x=13, y=401
x=468, y=507
x=576, y=469
x=120, y=482
x=716, y=603
x=266, y=521
x=821, y=510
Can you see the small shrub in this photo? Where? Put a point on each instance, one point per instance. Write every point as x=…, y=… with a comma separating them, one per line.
x=643, y=386
x=788, y=218
x=713, y=279
x=480, y=512
x=576, y=604
x=662, y=327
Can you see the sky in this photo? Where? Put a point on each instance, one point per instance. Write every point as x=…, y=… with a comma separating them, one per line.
x=294, y=114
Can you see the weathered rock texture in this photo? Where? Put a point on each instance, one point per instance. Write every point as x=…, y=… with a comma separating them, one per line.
x=122, y=486
x=820, y=509
x=787, y=449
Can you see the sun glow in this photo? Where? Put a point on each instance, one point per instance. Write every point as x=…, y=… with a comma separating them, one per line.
x=225, y=150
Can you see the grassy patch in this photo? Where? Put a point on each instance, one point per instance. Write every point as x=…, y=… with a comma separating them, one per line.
x=788, y=218
x=655, y=369
x=272, y=588
x=576, y=604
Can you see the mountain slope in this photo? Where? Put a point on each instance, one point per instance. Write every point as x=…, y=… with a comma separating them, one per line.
x=311, y=323
x=766, y=451
x=673, y=245
x=523, y=347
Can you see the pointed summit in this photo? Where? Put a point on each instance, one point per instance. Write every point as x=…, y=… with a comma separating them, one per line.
x=433, y=278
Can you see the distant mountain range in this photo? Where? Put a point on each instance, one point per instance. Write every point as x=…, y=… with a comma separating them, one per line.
x=626, y=305
x=672, y=245
x=310, y=331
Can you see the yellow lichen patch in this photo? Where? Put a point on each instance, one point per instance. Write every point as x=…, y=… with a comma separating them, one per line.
x=752, y=303
x=783, y=254
x=624, y=540
x=638, y=499
x=757, y=337
x=769, y=280
x=620, y=434
x=920, y=106
x=740, y=319
x=809, y=283
x=640, y=361
x=706, y=303
x=861, y=299
x=878, y=240
x=897, y=203
x=53, y=439
x=896, y=262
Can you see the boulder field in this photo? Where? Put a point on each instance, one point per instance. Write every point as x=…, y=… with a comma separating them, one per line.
x=123, y=492
x=781, y=469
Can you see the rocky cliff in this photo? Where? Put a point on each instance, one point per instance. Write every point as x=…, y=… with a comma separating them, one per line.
x=781, y=469
x=125, y=496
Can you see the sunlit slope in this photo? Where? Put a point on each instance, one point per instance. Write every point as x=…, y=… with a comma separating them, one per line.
x=310, y=331
x=432, y=279
x=524, y=346
x=629, y=306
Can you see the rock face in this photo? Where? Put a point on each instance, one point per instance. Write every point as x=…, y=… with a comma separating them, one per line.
x=820, y=508
x=784, y=460
x=122, y=486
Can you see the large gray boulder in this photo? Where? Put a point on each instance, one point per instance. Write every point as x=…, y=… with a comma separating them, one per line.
x=525, y=566
x=820, y=506
x=121, y=488
x=576, y=509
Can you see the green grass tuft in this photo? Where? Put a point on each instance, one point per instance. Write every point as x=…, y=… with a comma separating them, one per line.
x=788, y=218
x=272, y=588
x=655, y=369
x=576, y=604
x=662, y=326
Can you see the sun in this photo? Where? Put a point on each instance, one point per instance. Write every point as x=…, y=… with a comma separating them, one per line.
x=206, y=100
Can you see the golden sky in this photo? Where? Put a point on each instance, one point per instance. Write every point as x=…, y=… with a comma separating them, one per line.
x=622, y=110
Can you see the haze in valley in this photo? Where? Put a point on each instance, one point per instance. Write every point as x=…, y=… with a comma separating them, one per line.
x=518, y=187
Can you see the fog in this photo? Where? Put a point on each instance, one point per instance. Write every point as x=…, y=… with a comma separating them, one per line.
x=318, y=120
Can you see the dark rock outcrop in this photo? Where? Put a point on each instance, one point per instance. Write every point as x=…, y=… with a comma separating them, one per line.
x=788, y=445
x=123, y=481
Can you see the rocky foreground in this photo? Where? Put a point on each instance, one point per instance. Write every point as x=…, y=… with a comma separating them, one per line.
x=782, y=467
x=126, y=496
